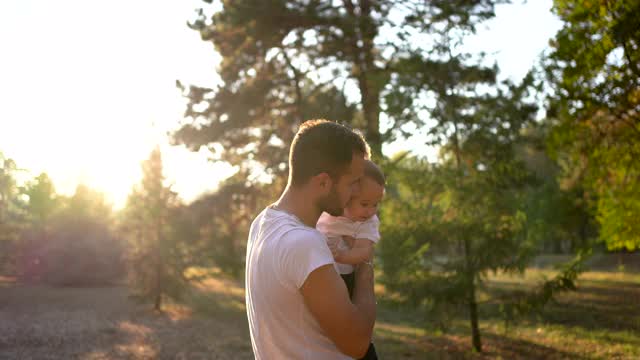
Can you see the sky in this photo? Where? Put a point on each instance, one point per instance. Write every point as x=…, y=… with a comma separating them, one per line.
x=87, y=87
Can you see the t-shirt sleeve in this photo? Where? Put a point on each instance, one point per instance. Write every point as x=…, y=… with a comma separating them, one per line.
x=302, y=251
x=369, y=230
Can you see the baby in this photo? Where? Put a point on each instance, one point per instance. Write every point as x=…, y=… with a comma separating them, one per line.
x=351, y=237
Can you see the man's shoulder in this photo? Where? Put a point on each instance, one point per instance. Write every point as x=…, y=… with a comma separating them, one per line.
x=299, y=250
x=302, y=234
x=286, y=227
x=258, y=218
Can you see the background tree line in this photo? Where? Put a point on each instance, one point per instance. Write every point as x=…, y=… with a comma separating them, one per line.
x=509, y=184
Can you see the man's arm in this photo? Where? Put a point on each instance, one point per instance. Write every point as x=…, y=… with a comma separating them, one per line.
x=349, y=325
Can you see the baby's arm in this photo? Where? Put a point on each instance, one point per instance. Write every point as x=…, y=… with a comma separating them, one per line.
x=361, y=251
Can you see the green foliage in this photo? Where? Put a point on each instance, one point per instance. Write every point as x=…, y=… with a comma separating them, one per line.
x=55, y=239
x=12, y=217
x=69, y=241
x=284, y=62
x=426, y=257
x=411, y=191
x=447, y=226
x=150, y=223
x=42, y=202
x=558, y=219
x=89, y=202
x=594, y=72
x=223, y=218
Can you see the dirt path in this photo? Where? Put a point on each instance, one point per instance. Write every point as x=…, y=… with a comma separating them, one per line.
x=39, y=322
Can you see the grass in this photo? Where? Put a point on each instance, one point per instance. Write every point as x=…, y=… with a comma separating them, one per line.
x=599, y=321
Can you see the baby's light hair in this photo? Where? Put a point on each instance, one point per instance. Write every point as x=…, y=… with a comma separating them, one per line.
x=373, y=171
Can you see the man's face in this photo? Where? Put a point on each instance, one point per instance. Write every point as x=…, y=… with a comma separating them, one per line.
x=342, y=189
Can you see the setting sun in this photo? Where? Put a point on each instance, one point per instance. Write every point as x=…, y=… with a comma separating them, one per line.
x=88, y=90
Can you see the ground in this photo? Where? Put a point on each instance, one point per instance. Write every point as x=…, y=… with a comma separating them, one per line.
x=599, y=321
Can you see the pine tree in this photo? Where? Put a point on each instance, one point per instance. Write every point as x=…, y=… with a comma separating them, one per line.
x=284, y=62
x=448, y=225
x=154, y=258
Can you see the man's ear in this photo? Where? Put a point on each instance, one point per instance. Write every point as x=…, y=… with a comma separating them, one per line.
x=322, y=182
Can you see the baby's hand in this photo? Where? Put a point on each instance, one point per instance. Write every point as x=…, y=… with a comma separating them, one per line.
x=349, y=240
x=338, y=254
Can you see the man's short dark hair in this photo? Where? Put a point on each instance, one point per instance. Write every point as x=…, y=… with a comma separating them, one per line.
x=323, y=146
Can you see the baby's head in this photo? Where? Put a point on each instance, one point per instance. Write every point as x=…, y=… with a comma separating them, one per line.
x=364, y=203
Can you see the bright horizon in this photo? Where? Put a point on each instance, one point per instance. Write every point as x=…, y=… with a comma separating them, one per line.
x=88, y=88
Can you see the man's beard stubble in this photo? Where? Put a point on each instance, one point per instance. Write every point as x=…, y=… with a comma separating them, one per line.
x=331, y=203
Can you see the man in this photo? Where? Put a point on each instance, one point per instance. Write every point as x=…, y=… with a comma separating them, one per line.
x=298, y=307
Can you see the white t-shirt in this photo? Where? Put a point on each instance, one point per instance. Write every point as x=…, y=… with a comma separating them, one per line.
x=281, y=253
x=335, y=227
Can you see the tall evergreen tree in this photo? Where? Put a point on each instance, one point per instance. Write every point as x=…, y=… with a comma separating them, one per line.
x=155, y=262
x=466, y=216
x=472, y=199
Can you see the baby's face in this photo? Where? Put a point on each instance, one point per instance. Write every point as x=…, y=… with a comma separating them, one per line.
x=364, y=204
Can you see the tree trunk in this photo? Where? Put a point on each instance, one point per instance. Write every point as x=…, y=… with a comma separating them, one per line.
x=159, y=269
x=470, y=269
x=371, y=108
x=473, y=316
x=473, y=305
x=365, y=71
x=557, y=246
x=158, y=302
x=157, y=293
x=371, y=87
x=583, y=230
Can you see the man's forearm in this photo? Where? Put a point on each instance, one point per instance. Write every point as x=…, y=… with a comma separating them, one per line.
x=363, y=295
